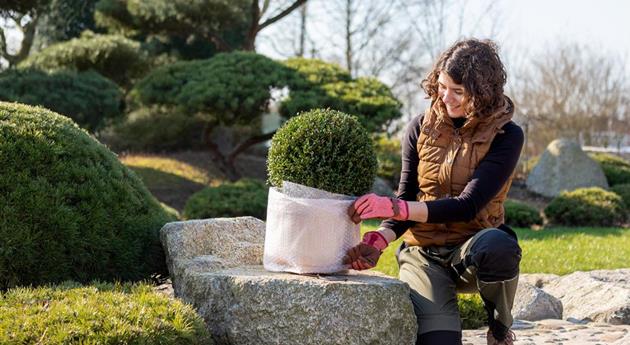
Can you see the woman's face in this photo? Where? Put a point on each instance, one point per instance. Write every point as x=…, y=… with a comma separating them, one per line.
x=453, y=95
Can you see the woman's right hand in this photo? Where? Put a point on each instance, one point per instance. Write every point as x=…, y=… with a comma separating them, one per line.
x=365, y=255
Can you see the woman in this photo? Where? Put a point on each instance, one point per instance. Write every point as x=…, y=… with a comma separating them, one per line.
x=457, y=164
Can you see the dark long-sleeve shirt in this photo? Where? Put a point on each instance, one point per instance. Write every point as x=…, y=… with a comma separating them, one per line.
x=487, y=180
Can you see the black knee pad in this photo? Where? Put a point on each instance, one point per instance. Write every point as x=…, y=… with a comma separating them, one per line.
x=496, y=255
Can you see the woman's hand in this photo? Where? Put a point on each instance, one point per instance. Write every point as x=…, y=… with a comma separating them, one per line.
x=373, y=206
x=365, y=255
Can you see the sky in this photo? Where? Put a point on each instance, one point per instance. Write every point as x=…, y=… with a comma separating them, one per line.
x=536, y=25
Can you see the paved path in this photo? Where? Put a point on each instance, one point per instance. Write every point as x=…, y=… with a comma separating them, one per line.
x=559, y=332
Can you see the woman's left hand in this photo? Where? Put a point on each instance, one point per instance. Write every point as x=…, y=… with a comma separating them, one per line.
x=373, y=206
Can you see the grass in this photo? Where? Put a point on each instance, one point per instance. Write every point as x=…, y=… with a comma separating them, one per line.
x=552, y=250
x=100, y=313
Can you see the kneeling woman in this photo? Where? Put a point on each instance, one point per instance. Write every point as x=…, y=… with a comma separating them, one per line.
x=458, y=159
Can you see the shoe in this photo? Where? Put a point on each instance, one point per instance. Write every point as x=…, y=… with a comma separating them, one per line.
x=508, y=339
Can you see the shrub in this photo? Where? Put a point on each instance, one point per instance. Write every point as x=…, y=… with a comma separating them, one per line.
x=521, y=215
x=325, y=149
x=97, y=314
x=155, y=129
x=623, y=190
x=70, y=210
x=246, y=197
x=471, y=311
x=88, y=98
x=586, y=207
x=116, y=57
x=325, y=85
x=616, y=169
x=388, y=155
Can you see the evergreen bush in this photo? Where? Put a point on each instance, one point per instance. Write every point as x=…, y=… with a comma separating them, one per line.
x=521, y=215
x=592, y=206
x=114, y=56
x=324, y=149
x=623, y=190
x=70, y=210
x=616, y=169
x=246, y=197
x=388, y=155
x=100, y=313
x=90, y=99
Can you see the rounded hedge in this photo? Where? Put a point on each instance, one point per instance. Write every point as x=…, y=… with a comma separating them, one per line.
x=586, y=207
x=616, y=169
x=521, y=215
x=88, y=98
x=70, y=210
x=324, y=149
x=623, y=190
x=388, y=155
x=246, y=197
x=97, y=314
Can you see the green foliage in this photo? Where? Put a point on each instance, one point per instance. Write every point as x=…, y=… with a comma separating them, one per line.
x=213, y=21
x=623, y=190
x=155, y=129
x=471, y=311
x=97, y=314
x=70, y=209
x=521, y=215
x=246, y=197
x=325, y=85
x=22, y=6
x=230, y=88
x=114, y=56
x=388, y=155
x=88, y=98
x=616, y=169
x=62, y=20
x=325, y=149
x=586, y=207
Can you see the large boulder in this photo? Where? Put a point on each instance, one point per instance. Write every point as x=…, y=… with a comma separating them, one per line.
x=533, y=304
x=602, y=296
x=564, y=166
x=216, y=265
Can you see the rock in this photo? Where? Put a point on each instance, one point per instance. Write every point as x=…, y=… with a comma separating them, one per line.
x=533, y=304
x=249, y=305
x=381, y=187
x=601, y=296
x=539, y=280
x=564, y=166
x=209, y=244
x=215, y=265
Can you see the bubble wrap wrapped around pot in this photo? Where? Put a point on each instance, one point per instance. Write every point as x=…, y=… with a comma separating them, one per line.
x=307, y=230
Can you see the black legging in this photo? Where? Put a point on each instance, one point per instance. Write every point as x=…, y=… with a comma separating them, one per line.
x=440, y=338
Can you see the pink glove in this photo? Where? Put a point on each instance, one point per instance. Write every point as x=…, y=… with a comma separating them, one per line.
x=374, y=206
x=365, y=255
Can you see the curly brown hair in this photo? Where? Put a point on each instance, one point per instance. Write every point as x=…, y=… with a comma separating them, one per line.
x=476, y=65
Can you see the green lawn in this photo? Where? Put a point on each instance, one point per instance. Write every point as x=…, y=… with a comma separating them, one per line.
x=553, y=250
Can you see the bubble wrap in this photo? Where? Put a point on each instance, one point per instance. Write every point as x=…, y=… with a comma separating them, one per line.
x=307, y=230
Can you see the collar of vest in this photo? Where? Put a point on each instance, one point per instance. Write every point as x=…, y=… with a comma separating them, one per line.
x=482, y=129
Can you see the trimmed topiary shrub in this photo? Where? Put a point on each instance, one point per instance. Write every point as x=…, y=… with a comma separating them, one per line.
x=616, y=169
x=586, y=207
x=246, y=197
x=471, y=311
x=70, y=210
x=521, y=215
x=116, y=57
x=324, y=149
x=88, y=98
x=326, y=85
x=623, y=190
x=97, y=314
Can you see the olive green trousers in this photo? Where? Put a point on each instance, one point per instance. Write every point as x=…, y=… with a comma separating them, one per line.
x=486, y=263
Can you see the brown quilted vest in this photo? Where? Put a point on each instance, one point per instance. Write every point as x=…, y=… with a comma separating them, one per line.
x=447, y=160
